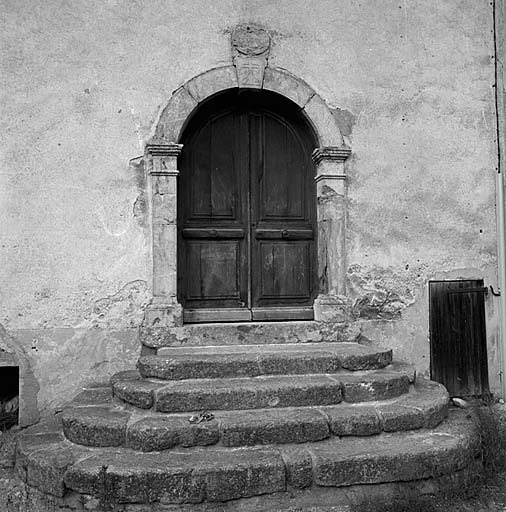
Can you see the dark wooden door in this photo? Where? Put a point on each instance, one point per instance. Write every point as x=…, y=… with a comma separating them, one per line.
x=246, y=212
x=458, y=336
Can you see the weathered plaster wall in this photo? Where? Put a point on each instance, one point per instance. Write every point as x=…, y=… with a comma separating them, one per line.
x=84, y=82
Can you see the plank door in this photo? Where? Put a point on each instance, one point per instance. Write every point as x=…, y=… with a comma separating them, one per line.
x=282, y=213
x=458, y=336
x=213, y=230
x=246, y=212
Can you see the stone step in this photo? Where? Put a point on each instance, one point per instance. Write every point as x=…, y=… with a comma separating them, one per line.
x=425, y=406
x=255, y=360
x=219, y=474
x=261, y=392
x=247, y=333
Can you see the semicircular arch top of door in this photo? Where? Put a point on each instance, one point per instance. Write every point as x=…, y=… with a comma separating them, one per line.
x=246, y=211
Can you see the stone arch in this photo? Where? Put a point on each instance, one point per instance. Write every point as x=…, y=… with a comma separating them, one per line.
x=161, y=156
x=186, y=99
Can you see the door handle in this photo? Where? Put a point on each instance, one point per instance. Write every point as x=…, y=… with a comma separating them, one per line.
x=285, y=233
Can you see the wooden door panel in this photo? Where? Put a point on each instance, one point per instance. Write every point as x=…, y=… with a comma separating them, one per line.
x=213, y=234
x=213, y=172
x=214, y=271
x=281, y=180
x=286, y=272
x=283, y=242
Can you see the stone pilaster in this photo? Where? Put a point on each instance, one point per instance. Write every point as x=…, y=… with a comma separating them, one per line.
x=164, y=310
x=331, y=304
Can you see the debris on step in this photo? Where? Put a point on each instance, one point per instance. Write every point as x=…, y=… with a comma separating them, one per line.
x=203, y=416
x=459, y=402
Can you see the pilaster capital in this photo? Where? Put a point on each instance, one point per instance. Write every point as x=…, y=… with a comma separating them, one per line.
x=330, y=153
x=162, y=159
x=163, y=150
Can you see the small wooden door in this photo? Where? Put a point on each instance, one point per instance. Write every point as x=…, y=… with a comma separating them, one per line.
x=458, y=336
x=246, y=211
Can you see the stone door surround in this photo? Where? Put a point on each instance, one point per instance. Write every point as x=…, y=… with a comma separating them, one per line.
x=162, y=152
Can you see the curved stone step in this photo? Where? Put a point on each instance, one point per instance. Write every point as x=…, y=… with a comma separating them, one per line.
x=255, y=360
x=261, y=392
x=216, y=474
x=424, y=406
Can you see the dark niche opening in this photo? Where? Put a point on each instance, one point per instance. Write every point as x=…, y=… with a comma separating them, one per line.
x=9, y=397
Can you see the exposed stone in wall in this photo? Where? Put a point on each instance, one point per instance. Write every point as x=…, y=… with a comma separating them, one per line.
x=380, y=293
x=126, y=304
x=345, y=120
x=65, y=360
x=140, y=205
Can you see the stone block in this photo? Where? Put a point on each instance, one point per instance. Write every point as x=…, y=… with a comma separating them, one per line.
x=432, y=399
x=323, y=121
x=292, y=362
x=7, y=450
x=158, y=433
x=164, y=317
x=173, y=117
x=242, y=473
x=27, y=444
x=46, y=468
x=205, y=394
x=247, y=428
x=261, y=333
x=136, y=392
x=211, y=82
x=373, y=386
x=353, y=420
x=396, y=417
x=272, y=359
x=125, y=376
x=299, y=467
x=250, y=71
x=201, y=434
x=399, y=456
x=284, y=83
x=328, y=309
x=134, y=478
x=199, y=366
x=95, y=426
x=245, y=393
x=153, y=434
x=176, y=478
x=92, y=396
x=364, y=360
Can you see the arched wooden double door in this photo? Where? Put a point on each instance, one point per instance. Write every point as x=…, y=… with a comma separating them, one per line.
x=246, y=211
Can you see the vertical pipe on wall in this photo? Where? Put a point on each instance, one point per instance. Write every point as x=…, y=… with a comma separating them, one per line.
x=502, y=274
x=499, y=16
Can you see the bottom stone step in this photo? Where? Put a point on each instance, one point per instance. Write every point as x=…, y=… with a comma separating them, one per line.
x=217, y=474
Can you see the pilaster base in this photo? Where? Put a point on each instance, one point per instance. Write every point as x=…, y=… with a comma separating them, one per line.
x=163, y=315
x=332, y=308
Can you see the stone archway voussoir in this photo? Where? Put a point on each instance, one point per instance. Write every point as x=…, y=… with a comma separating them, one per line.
x=284, y=83
x=174, y=116
x=210, y=82
x=324, y=124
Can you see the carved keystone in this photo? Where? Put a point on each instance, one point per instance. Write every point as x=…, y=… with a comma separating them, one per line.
x=250, y=49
